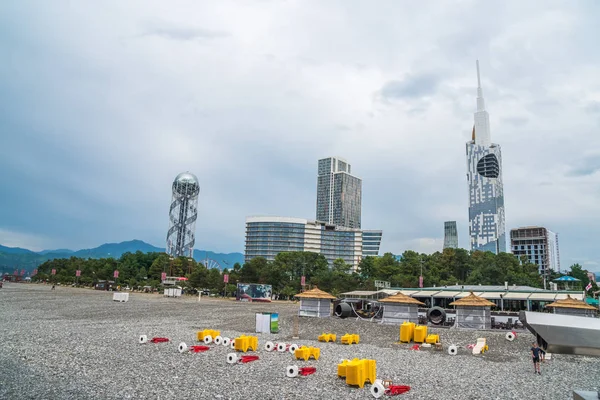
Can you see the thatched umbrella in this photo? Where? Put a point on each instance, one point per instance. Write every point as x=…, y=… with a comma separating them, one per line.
x=473, y=312
x=573, y=307
x=315, y=303
x=399, y=308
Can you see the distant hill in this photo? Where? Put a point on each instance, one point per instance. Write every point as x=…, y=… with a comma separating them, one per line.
x=14, y=250
x=12, y=258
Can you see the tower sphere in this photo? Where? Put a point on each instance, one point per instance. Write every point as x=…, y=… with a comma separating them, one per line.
x=186, y=184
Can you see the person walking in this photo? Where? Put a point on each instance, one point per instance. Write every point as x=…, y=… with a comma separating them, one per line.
x=535, y=354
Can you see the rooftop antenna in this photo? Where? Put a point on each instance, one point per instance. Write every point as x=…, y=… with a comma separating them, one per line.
x=480, y=102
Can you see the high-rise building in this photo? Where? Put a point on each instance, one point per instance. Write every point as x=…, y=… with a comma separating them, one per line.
x=338, y=193
x=371, y=241
x=484, y=176
x=539, y=245
x=450, y=235
x=268, y=236
x=182, y=216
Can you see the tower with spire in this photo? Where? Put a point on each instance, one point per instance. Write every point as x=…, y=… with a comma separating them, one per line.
x=487, y=231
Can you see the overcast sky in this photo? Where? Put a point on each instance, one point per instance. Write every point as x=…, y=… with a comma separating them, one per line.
x=103, y=103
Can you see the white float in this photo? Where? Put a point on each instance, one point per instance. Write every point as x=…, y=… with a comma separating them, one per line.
x=218, y=340
x=452, y=350
x=232, y=358
x=182, y=347
x=143, y=339
x=291, y=371
x=293, y=348
x=226, y=341
x=232, y=344
x=281, y=347
x=510, y=336
x=208, y=339
x=377, y=389
x=269, y=346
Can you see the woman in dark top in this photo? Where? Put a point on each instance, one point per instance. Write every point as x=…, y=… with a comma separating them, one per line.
x=535, y=354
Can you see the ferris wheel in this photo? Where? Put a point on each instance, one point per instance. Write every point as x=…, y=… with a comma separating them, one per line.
x=210, y=264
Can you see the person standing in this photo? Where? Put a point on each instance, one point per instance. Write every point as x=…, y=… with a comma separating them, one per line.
x=535, y=354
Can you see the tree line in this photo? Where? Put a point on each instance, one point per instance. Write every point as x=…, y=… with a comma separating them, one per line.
x=284, y=273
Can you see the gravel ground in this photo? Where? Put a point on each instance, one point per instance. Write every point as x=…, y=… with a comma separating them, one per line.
x=79, y=344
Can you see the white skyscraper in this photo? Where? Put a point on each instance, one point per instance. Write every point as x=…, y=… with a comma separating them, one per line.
x=484, y=176
x=339, y=193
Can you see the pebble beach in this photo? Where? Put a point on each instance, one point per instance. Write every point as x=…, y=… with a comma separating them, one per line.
x=73, y=343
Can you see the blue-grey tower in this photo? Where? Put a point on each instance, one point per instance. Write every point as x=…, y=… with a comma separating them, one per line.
x=484, y=175
x=182, y=215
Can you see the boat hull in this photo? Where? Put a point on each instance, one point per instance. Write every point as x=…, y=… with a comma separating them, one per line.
x=564, y=334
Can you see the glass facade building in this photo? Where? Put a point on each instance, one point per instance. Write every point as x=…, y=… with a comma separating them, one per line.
x=371, y=241
x=450, y=235
x=268, y=236
x=487, y=231
x=338, y=194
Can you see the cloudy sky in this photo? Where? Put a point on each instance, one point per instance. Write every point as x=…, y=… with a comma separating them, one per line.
x=104, y=103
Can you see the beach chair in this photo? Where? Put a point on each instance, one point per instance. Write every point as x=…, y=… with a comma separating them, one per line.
x=480, y=347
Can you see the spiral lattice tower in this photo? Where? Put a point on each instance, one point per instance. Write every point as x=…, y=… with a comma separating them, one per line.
x=182, y=215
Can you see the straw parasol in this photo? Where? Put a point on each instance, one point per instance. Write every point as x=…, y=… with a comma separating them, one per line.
x=570, y=302
x=472, y=301
x=401, y=299
x=315, y=293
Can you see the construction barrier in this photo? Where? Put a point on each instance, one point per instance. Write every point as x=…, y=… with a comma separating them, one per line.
x=245, y=343
x=327, y=337
x=350, y=338
x=304, y=353
x=357, y=372
x=207, y=335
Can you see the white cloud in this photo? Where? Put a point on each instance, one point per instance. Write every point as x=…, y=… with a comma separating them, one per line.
x=111, y=101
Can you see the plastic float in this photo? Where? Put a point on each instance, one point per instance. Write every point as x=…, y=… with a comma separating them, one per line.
x=380, y=388
x=304, y=353
x=245, y=343
x=350, y=338
x=452, y=350
x=207, y=335
x=510, y=336
x=292, y=371
x=233, y=358
x=420, y=333
x=407, y=332
x=283, y=347
x=327, y=337
x=226, y=342
x=432, y=339
x=357, y=372
x=218, y=340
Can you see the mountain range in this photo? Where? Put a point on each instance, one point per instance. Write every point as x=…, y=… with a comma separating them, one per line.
x=18, y=258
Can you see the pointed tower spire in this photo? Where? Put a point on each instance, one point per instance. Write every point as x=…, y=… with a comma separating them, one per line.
x=480, y=102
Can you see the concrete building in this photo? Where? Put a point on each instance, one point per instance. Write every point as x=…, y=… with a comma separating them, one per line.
x=450, y=235
x=338, y=193
x=539, y=245
x=484, y=176
x=268, y=236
